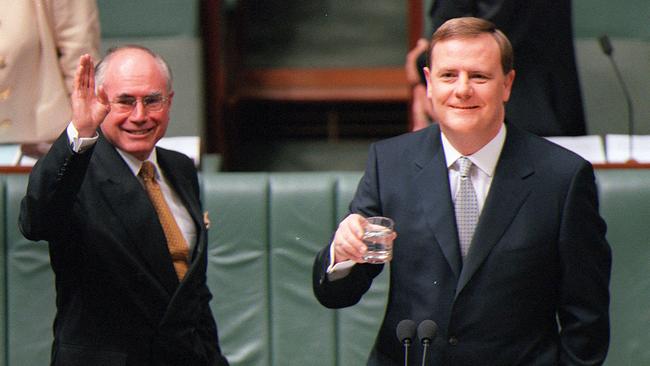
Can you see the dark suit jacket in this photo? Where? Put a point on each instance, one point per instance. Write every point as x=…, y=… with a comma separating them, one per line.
x=538, y=255
x=546, y=98
x=119, y=301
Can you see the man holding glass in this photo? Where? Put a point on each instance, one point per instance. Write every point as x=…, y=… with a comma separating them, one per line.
x=128, y=244
x=497, y=237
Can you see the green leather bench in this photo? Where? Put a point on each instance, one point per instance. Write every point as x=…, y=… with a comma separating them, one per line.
x=266, y=229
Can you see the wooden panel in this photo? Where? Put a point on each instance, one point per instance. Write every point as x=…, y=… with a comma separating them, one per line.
x=328, y=85
x=6, y=169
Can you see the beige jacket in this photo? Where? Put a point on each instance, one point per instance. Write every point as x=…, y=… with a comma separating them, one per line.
x=40, y=44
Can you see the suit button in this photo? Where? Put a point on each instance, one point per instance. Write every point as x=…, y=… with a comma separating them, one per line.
x=453, y=341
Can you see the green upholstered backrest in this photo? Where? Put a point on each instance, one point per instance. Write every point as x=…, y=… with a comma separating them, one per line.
x=29, y=287
x=266, y=231
x=625, y=205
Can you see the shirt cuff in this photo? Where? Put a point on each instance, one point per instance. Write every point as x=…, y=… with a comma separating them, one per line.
x=338, y=270
x=80, y=144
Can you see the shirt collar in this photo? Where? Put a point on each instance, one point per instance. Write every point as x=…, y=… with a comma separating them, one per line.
x=135, y=164
x=485, y=159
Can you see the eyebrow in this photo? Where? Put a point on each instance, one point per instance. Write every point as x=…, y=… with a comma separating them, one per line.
x=126, y=95
x=456, y=70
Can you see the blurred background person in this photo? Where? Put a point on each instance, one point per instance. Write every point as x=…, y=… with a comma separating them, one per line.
x=40, y=44
x=546, y=100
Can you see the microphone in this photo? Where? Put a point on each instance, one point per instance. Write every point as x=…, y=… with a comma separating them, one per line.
x=405, y=334
x=608, y=50
x=427, y=333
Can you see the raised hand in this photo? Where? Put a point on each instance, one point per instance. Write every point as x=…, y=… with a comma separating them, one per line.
x=347, y=240
x=88, y=109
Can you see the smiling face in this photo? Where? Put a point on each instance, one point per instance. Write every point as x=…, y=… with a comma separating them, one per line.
x=468, y=89
x=134, y=74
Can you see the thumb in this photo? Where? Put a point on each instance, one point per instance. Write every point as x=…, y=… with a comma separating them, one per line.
x=102, y=106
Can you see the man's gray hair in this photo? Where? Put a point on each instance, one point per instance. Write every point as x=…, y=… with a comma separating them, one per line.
x=100, y=69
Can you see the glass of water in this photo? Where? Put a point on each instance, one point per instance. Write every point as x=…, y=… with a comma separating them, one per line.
x=378, y=236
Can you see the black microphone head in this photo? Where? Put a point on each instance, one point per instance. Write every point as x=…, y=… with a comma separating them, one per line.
x=605, y=45
x=427, y=331
x=406, y=330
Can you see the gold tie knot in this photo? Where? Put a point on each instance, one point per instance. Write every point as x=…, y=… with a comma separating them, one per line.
x=147, y=170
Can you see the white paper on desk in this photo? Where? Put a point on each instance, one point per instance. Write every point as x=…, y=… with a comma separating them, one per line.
x=618, y=148
x=9, y=154
x=188, y=145
x=589, y=147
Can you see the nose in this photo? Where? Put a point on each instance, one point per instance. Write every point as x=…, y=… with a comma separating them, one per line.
x=463, y=88
x=139, y=113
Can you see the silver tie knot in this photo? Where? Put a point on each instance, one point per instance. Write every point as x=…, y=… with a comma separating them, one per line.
x=465, y=166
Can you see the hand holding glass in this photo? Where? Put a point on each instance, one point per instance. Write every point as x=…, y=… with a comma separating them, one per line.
x=378, y=236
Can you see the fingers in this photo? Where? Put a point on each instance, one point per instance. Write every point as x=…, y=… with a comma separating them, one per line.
x=84, y=81
x=422, y=44
x=88, y=111
x=347, y=240
x=102, y=97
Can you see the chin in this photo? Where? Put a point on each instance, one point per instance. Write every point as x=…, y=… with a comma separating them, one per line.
x=462, y=125
x=138, y=149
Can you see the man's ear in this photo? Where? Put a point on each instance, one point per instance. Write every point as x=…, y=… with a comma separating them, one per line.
x=509, y=80
x=427, y=75
x=171, y=98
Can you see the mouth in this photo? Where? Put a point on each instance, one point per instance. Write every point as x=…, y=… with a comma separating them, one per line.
x=139, y=132
x=464, y=108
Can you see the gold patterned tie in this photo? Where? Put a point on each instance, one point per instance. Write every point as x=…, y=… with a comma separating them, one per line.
x=176, y=243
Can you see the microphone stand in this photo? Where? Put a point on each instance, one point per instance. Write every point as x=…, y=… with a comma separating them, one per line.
x=425, y=345
x=608, y=50
x=407, y=344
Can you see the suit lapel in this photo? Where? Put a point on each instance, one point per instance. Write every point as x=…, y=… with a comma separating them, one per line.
x=124, y=193
x=508, y=192
x=432, y=183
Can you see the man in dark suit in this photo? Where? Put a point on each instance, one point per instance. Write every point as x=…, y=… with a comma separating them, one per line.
x=546, y=100
x=125, y=294
x=532, y=287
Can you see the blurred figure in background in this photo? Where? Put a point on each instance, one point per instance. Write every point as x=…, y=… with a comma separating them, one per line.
x=546, y=99
x=40, y=44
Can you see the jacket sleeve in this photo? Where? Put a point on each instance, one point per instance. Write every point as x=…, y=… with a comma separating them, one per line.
x=53, y=185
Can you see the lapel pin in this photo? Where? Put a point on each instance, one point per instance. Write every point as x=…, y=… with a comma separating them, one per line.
x=206, y=220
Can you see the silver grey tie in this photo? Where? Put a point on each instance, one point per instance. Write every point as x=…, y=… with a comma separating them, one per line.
x=466, y=206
